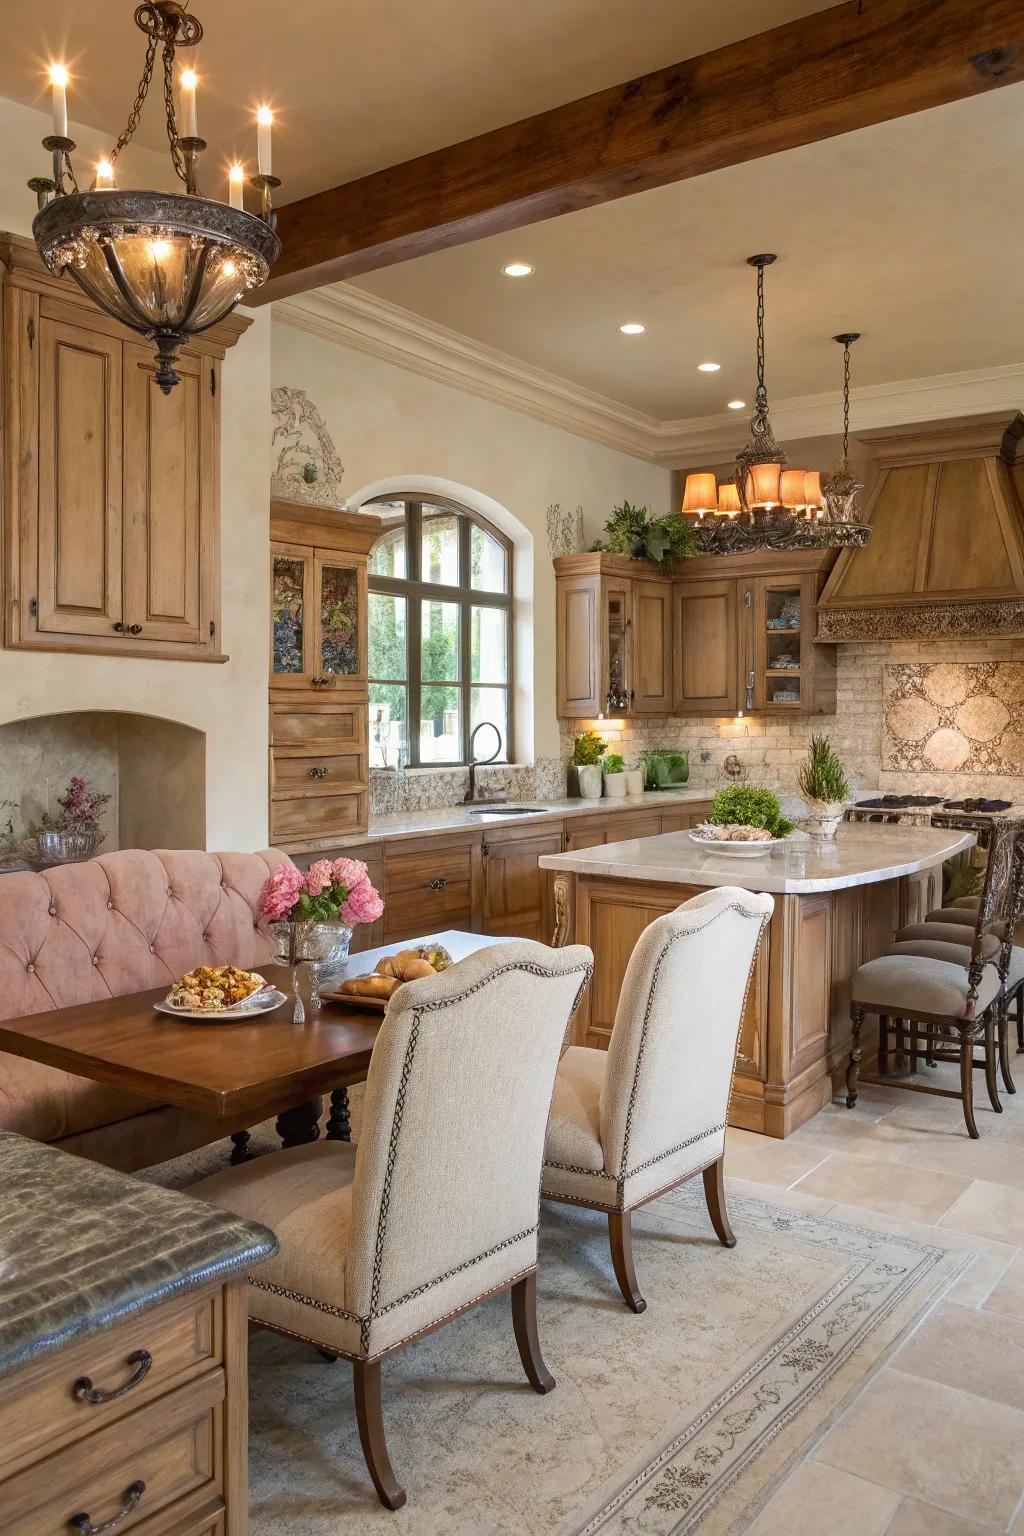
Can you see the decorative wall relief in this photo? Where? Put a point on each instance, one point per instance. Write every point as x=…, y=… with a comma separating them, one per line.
x=306, y=462
x=565, y=531
x=954, y=717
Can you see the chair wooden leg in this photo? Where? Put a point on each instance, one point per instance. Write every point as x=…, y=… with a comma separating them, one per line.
x=620, y=1233
x=967, y=1086
x=240, y=1148
x=524, y=1321
x=1004, y=1051
x=714, y=1194
x=857, y=1024
x=883, y=1045
x=991, y=1066
x=1020, y=1020
x=366, y=1382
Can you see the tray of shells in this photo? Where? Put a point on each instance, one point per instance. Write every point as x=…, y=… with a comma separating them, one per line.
x=375, y=989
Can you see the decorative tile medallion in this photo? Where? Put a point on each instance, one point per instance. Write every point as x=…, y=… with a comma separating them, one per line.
x=954, y=717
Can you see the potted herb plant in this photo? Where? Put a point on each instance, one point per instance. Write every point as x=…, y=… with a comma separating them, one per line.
x=743, y=806
x=587, y=752
x=825, y=787
x=614, y=776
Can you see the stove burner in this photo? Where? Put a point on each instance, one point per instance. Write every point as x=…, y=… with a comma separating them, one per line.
x=897, y=802
x=988, y=806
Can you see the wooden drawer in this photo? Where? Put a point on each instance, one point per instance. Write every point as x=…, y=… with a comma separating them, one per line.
x=174, y=1446
x=410, y=914
x=317, y=816
x=296, y=774
x=416, y=871
x=38, y=1408
x=321, y=727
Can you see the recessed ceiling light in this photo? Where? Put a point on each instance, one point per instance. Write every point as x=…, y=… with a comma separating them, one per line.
x=708, y=367
x=737, y=405
x=517, y=269
x=632, y=328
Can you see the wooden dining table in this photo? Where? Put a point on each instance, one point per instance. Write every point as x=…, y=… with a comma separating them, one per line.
x=239, y=1073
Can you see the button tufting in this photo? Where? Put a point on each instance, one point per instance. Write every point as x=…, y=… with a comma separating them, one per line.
x=95, y=959
x=110, y=906
x=152, y=949
x=31, y=968
x=53, y=911
x=206, y=938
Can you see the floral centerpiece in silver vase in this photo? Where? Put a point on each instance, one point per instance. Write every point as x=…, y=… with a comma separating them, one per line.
x=312, y=915
x=73, y=833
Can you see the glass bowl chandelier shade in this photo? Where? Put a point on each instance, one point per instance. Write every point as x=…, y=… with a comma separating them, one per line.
x=166, y=264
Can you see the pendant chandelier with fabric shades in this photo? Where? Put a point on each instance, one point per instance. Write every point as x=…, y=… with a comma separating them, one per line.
x=167, y=264
x=768, y=505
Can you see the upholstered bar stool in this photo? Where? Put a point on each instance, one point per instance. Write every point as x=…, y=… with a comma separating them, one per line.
x=437, y=1207
x=950, y=993
x=631, y=1122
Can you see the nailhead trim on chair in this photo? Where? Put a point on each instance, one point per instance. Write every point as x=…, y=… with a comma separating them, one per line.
x=396, y=1126
x=600, y=1173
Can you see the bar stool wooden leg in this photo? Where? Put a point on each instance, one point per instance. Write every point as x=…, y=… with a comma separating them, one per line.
x=883, y=1045
x=1004, y=1051
x=991, y=1077
x=967, y=1085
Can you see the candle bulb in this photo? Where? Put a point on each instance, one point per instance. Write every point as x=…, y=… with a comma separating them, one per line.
x=59, y=84
x=264, y=118
x=189, y=118
x=236, y=186
x=104, y=176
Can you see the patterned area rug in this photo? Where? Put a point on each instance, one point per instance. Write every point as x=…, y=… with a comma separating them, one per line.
x=682, y=1418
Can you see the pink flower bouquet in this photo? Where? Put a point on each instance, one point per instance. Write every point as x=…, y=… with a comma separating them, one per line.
x=331, y=891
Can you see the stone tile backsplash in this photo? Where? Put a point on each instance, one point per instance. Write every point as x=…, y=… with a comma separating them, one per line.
x=876, y=757
x=430, y=789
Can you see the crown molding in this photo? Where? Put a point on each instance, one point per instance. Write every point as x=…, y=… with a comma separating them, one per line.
x=360, y=320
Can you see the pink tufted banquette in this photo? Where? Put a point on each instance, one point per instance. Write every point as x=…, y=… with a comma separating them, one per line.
x=123, y=922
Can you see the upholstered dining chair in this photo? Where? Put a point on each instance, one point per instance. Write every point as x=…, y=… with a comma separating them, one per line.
x=437, y=1206
x=630, y=1123
x=950, y=993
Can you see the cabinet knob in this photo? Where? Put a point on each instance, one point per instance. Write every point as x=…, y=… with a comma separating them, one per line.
x=135, y=629
x=118, y=628
x=318, y=773
x=437, y=884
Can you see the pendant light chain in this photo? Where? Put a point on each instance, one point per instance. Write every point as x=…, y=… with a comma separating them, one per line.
x=846, y=400
x=127, y=133
x=761, y=393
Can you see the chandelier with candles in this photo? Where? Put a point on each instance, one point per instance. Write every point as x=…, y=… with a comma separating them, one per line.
x=167, y=264
x=767, y=505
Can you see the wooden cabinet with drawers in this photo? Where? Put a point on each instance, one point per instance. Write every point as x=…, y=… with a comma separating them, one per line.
x=319, y=774
x=161, y=1449
x=432, y=884
x=111, y=505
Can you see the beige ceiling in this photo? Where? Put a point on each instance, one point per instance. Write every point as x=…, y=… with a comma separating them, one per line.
x=367, y=84
x=909, y=232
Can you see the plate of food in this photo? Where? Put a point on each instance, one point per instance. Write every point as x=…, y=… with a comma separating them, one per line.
x=734, y=838
x=375, y=988
x=220, y=994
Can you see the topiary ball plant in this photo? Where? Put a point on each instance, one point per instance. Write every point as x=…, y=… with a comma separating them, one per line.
x=747, y=807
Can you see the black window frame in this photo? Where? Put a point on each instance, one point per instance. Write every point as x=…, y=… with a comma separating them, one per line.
x=415, y=590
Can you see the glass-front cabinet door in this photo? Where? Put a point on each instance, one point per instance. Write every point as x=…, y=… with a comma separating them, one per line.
x=340, y=585
x=292, y=654
x=618, y=622
x=783, y=619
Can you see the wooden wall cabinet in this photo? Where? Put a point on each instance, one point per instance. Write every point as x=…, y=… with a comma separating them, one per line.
x=111, y=488
x=319, y=696
x=614, y=637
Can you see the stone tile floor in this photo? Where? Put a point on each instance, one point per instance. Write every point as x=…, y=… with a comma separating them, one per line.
x=933, y=1444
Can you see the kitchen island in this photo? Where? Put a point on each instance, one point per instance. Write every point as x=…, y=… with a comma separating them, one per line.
x=837, y=904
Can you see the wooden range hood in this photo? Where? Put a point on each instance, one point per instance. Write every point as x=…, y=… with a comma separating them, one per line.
x=946, y=558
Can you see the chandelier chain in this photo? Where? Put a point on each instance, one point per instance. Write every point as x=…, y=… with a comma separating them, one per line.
x=172, y=123
x=128, y=131
x=846, y=402
x=761, y=394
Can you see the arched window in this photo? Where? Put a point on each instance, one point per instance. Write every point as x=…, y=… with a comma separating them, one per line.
x=440, y=649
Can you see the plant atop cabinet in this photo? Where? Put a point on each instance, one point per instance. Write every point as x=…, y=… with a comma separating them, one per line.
x=587, y=751
x=633, y=531
x=825, y=787
x=744, y=806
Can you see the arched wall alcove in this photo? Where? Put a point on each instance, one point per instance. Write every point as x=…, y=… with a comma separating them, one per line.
x=153, y=769
x=522, y=579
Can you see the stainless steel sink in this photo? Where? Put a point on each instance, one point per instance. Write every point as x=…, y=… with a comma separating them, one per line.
x=506, y=810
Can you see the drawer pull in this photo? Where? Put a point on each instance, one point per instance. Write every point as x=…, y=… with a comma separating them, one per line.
x=85, y=1392
x=84, y=1525
x=318, y=773
x=437, y=884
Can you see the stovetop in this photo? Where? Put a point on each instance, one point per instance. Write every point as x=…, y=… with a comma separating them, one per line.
x=989, y=807
x=898, y=802
x=937, y=804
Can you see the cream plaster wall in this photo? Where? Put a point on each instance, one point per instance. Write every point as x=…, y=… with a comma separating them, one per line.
x=229, y=702
x=392, y=427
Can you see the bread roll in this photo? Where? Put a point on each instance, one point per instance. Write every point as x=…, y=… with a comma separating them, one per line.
x=414, y=969
x=370, y=986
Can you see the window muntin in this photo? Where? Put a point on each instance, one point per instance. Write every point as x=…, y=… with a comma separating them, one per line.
x=440, y=642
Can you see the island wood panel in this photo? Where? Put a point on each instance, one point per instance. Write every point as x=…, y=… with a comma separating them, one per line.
x=795, y=1032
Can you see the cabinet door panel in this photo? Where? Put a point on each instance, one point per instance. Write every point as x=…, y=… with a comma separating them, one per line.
x=341, y=621
x=579, y=682
x=705, y=615
x=163, y=546
x=292, y=630
x=79, y=549
x=652, y=629
x=518, y=894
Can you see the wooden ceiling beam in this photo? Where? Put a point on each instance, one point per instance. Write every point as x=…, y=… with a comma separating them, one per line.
x=838, y=70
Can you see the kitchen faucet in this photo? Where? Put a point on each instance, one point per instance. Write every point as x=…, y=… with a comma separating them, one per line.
x=470, y=796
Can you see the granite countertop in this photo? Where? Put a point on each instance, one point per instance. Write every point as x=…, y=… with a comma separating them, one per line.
x=457, y=818
x=82, y=1247
x=862, y=854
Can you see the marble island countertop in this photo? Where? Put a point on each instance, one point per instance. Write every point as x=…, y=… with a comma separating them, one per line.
x=82, y=1247
x=862, y=854
x=460, y=818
